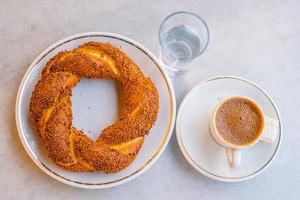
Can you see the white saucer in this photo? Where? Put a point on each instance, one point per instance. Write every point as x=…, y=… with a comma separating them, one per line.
x=194, y=139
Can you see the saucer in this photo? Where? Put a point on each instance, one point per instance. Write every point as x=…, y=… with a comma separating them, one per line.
x=196, y=143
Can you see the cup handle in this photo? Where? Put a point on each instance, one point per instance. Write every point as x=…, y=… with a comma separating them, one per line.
x=234, y=157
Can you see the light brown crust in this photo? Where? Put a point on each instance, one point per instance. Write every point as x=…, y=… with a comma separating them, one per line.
x=51, y=113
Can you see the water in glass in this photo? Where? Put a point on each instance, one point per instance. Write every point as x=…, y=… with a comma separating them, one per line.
x=181, y=42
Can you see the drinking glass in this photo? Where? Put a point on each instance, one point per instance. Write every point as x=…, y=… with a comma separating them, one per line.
x=183, y=36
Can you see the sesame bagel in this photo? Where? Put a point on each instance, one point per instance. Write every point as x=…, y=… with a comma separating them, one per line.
x=50, y=109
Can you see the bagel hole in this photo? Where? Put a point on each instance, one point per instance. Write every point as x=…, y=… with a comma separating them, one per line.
x=95, y=105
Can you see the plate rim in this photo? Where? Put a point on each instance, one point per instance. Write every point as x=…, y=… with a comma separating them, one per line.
x=125, y=179
x=186, y=155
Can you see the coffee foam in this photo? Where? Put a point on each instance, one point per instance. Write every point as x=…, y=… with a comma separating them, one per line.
x=239, y=121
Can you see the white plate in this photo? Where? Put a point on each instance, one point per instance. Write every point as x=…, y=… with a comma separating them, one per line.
x=194, y=139
x=94, y=104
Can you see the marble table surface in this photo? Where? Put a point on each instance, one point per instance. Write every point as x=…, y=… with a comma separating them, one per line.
x=257, y=40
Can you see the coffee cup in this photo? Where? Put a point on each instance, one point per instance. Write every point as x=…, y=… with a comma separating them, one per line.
x=238, y=123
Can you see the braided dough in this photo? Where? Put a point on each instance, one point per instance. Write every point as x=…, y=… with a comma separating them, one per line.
x=51, y=113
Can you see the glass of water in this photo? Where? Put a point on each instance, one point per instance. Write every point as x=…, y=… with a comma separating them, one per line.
x=183, y=36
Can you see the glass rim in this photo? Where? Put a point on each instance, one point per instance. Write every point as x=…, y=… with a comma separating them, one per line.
x=186, y=13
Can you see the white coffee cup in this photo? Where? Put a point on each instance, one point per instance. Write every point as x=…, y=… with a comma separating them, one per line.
x=233, y=151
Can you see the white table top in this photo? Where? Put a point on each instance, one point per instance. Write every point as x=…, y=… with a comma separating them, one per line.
x=257, y=40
